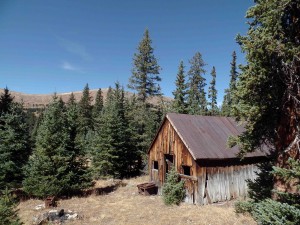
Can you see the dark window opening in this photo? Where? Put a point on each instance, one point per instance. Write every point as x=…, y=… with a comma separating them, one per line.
x=186, y=170
x=155, y=165
x=169, y=162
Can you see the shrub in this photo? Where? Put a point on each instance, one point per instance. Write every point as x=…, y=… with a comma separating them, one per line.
x=8, y=214
x=243, y=207
x=173, y=190
x=272, y=212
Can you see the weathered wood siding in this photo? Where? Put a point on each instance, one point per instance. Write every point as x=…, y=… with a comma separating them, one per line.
x=168, y=142
x=206, y=184
x=217, y=184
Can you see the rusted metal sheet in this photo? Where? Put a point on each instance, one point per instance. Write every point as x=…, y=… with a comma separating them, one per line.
x=206, y=136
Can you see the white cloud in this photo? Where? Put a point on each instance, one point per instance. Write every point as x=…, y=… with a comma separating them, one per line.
x=69, y=66
x=74, y=48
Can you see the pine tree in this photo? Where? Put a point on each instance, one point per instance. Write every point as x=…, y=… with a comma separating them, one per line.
x=179, y=103
x=197, y=103
x=57, y=166
x=173, y=190
x=233, y=73
x=145, y=73
x=212, y=94
x=229, y=99
x=8, y=213
x=71, y=100
x=226, y=107
x=98, y=106
x=15, y=145
x=77, y=171
x=5, y=101
x=268, y=95
x=113, y=156
x=85, y=112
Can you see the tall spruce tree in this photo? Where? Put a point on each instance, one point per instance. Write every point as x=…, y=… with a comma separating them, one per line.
x=72, y=100
x=98, y=106
x=229, y=99
x=212, y=94
x=5, y=101
x=268, y=88
x=57, y=165
x=15, y=146
x=179, y=103
x=85, y=112
x=197, y=103
x=112, y=153
x=145, y=72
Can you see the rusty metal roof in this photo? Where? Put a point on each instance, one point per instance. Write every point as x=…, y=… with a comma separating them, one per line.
x=206, y=136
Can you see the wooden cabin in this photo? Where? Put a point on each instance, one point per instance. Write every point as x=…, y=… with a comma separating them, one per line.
x=197, y=147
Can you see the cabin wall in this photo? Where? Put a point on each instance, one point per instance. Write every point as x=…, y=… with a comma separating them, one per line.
x=206, y=183
x=167, y=143
x=218, y=184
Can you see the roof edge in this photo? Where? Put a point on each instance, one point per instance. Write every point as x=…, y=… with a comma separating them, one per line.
x=161, y=125
x=157, y=132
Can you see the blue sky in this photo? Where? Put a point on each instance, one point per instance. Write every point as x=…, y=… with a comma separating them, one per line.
x=60, y=45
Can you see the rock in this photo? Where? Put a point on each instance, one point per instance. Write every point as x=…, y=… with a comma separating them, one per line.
x=72, y=216
x=56, y=216
x=61, y=213
x=39, y=207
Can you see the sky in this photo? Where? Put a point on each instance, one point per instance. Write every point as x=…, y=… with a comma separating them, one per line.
x=60, y=45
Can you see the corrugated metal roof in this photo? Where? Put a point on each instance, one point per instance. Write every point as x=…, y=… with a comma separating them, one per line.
x=206, y=136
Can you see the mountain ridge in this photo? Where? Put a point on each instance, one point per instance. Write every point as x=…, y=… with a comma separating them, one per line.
x=42, y=100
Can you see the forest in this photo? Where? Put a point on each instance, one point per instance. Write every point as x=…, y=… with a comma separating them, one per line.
x=61, y=149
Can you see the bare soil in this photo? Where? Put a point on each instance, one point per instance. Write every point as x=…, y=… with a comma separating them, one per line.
x=126, y=206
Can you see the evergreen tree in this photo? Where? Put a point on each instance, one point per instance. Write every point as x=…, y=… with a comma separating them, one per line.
x=268, y=95
x=112, y=153
x=197, y=103
x=14, y=142
x=233, y=73
x=85, y=112
x=229, y=99
x=8, y=213
x=226, y=107
x=57, y=166
x=173, y=190
x=179, y=103
x=145, y=73
x=212, y=93
x=78, y=174
x=98, y=106
x=36, y=125
x=71, y=100
x=5, y=101
x=30, y=120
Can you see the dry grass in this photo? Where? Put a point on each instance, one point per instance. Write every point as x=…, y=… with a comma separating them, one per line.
x=125, y=206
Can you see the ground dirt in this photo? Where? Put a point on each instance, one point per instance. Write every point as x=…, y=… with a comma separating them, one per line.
x=125, y=206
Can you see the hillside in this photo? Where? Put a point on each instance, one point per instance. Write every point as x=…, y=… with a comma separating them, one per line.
x=42, y=100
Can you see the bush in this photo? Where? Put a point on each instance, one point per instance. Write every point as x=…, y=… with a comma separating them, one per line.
x=243, y=207
x=272, y=212
x=173, y=190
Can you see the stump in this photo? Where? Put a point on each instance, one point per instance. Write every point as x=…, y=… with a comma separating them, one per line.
x=50, y=202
